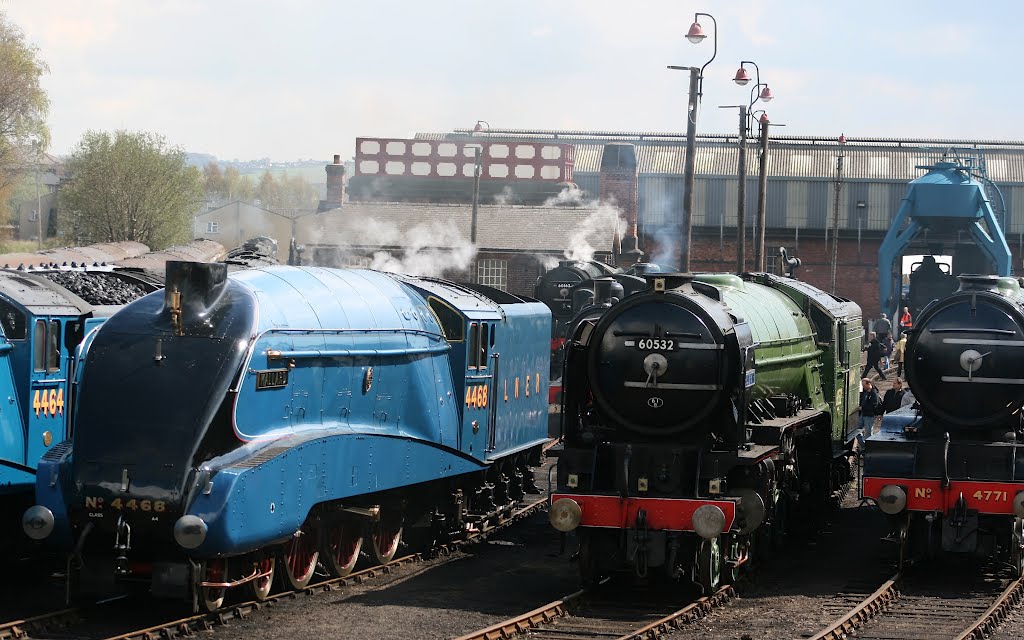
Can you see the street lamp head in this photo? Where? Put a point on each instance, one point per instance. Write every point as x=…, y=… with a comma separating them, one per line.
x=764, y=118
x=742, y=77
x=766, y=94
x=481, y=125
x=842, y=138
x=696, y=33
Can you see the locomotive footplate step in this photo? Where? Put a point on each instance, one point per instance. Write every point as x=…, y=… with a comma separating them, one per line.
x=756, y=453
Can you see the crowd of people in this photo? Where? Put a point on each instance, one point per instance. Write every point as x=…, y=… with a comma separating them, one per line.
x=885, y=351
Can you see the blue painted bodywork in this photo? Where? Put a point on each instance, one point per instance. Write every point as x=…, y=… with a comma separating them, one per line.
x=942, y=202
x=375, y=400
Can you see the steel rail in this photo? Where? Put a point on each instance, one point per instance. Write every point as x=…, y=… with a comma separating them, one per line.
x=530, y=620
x=864, y=611
x=687, y=615
x=21, y=628
x=206, y=621
x=988, y=621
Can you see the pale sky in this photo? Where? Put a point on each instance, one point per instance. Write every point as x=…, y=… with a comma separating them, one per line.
x=302, y=79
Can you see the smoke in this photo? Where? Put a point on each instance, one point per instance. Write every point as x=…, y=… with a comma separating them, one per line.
x=665, y=249
x=505, y=197
x=597, y=224
x=428, y=249
x=570, y=196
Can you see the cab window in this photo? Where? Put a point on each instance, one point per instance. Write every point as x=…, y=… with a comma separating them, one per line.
x=13, y=320
x=483, y=343
x=53, y=347
x=39, y=345
x=448, y=319
x=474, y=345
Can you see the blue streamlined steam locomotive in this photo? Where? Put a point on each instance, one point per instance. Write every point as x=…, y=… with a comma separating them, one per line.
x=950, y=471
x=234, y=428
x=45, y=314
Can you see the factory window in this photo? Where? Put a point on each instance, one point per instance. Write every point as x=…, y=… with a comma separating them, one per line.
x=551, y=153
x=446, y=169
x=498, y=170
x=498, y=151
x=394, y=168
x=524, y=171
x=550, y=173
x=525, y=151
x=493, y=273
x=356, y=262
x=421, y=149
x=212, y=227
x=446, y=149
x=421, y=168
x=369, y=147
x=369, y=167
x=13, y=320
x=395, y=148
x=772, y=265
x=448, y=319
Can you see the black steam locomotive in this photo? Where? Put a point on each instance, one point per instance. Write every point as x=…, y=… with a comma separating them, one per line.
x=697, y=412
x=951, y=470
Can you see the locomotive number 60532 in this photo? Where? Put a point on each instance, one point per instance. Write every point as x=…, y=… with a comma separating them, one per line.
x=659, y=344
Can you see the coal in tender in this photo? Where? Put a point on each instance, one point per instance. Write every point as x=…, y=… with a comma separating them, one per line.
x=97, y=288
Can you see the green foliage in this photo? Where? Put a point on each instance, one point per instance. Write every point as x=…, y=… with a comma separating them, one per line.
x=275, y=193
x=23, y=102
x=129, y=186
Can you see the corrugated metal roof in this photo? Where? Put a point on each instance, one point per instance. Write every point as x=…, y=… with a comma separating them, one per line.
x=502, y=228
x=876, y=159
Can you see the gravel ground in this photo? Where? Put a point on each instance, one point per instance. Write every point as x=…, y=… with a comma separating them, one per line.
x=1012, y=628
x=477, y=587
x=813, y=582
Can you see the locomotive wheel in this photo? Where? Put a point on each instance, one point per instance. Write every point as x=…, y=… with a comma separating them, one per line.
x=299, y=556
x=1016, y=550
x=341, y=548
x=214, y=570
x=385, y=536
x=260, y=587
x=709, y=565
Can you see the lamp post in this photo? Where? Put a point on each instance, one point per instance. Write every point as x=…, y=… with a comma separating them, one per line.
x=481, y=126
x=759, y=92
x=37, y=147
x=695, y=35
x=835, y=209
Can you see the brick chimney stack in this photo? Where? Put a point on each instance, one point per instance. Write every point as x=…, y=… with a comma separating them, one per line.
x=335, y=185
x=619, y=185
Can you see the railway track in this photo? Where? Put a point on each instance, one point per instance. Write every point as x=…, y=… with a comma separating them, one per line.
x=607, y=613
x=67, y=620
x=930, y=606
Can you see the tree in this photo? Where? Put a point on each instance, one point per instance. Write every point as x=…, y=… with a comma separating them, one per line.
x=129, y=186
x=214, y=184
x=23, y=102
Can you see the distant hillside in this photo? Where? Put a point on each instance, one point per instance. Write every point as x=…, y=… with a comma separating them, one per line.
x=311, y=170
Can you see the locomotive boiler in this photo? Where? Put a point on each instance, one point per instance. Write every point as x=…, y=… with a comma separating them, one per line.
x=951, y=472
x=237, y=427
x=699, y=412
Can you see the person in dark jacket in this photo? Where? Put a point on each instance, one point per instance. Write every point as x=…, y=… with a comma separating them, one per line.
x=894, y=396
x=870, y=406
x=883, y=328
x=875, y=351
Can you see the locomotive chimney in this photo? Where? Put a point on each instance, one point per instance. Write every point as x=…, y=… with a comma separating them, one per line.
x=191, y=290
x=975, y=282
x=619, y=185
x=335, y=186
x=607, y=288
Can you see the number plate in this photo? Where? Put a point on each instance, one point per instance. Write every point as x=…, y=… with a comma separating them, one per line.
x=655, y=344
x=272, y=379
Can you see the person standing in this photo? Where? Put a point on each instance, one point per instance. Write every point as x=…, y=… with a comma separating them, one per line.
x=883, y=328
x=894, y=396
x=899, y=354
x=906, y=322
x=870, y=406
x=874, y=349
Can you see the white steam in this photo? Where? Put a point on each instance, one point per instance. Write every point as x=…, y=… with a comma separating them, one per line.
x=505, y=197
x=570, y=196
x=428, y=249
x=606, y=216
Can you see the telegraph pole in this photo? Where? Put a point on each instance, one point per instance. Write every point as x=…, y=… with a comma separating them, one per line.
x=741, y=223
x=691, y=147
x=835, y=211
x=762, y=197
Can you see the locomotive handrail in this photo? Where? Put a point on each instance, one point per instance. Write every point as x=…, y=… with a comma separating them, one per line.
x=349, y=353
x=796, y=357
x=421, y=332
